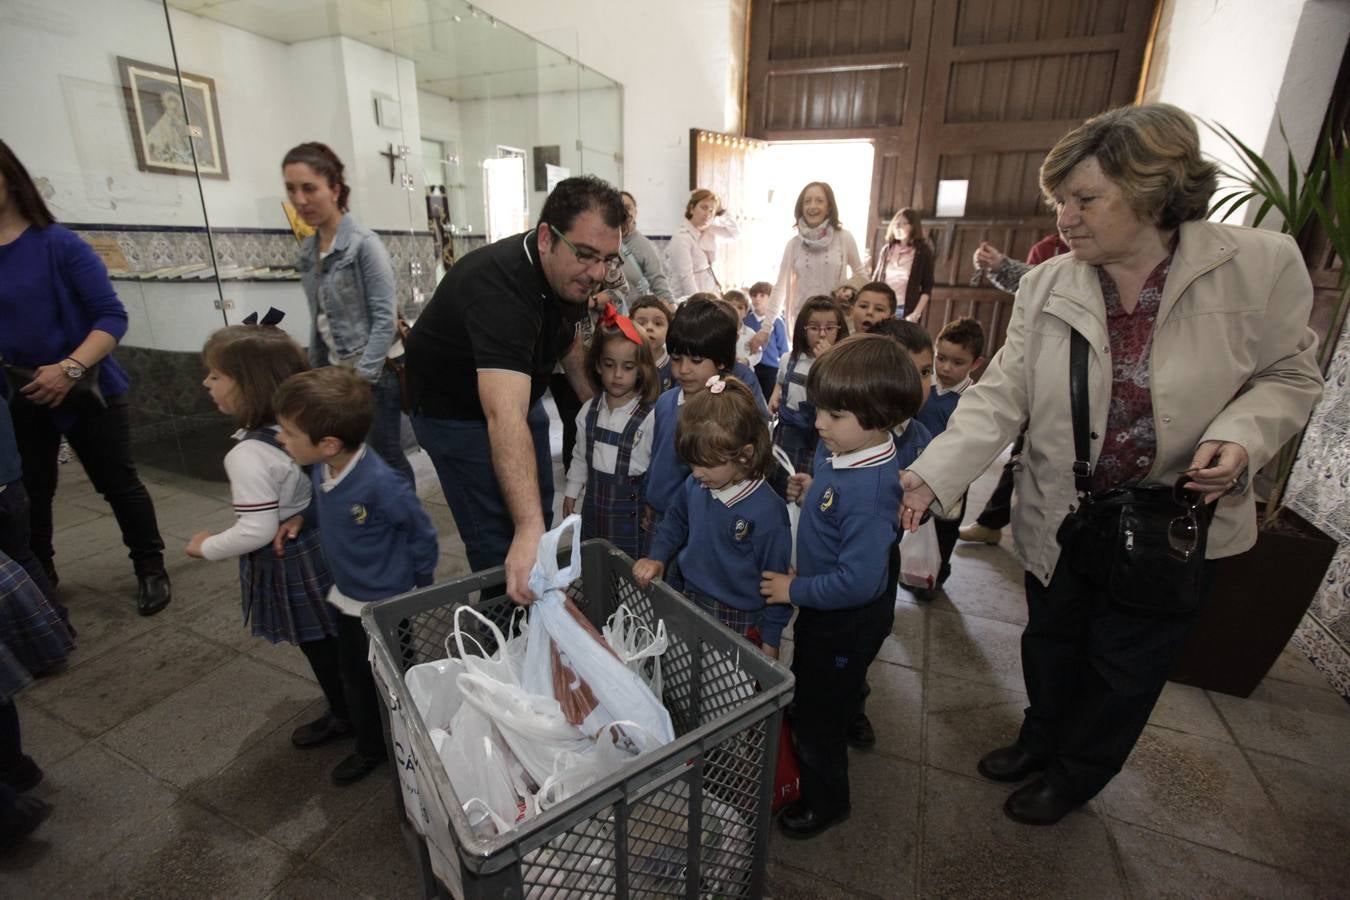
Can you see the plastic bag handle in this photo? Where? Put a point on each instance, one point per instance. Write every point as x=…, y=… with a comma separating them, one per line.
x=501, y=824
x=546, y=578
x=545, y=793
x=794, y=509
x=784, y=461
x=459, y=635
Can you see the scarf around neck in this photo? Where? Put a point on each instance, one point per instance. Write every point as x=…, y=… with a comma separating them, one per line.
x=817, y=237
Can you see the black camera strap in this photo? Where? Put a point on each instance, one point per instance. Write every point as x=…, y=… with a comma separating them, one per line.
x=1078, y=401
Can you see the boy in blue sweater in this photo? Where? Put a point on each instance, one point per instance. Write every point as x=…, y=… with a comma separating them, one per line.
x=771, y=357
x=958, y=352
x=847, y=565
x=378, y=540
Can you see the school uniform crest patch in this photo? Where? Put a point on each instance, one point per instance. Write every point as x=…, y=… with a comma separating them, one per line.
x=741, y=530
x=358, y=513
x=827, y=499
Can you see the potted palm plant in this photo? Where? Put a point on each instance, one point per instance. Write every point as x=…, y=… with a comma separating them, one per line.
x=1259, y=597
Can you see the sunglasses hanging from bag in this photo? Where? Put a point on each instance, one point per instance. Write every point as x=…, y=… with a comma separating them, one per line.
x=1144, y=545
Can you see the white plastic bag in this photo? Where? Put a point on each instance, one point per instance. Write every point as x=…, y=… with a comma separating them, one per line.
x=637, y=646
x=619, y=693
x=617, y=743
x=794, y=509
x=482, y=768
x=920, y=557
x=532, y=725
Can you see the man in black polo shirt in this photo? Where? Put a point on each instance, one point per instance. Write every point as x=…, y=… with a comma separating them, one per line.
x=479, y=359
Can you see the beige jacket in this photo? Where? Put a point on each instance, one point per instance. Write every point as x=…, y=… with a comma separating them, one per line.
x=1233, y=359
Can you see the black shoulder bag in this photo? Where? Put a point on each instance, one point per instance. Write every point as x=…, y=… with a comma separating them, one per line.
x=1144, y=545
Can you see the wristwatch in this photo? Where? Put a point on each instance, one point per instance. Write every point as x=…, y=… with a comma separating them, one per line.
x=74, y=371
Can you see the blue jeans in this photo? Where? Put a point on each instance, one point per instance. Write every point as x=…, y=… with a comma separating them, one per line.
x=384, y=437
x=462, y=455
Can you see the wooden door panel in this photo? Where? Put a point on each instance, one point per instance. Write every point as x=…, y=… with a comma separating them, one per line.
x=720, y=162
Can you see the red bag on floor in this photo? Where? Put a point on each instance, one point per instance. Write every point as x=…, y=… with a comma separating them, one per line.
x=787, y=778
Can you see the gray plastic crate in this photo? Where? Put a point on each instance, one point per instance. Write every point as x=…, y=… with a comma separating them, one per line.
x=688, y=820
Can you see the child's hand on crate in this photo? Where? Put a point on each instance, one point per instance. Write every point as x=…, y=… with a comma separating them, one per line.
x=774, y=587
x=644, y=570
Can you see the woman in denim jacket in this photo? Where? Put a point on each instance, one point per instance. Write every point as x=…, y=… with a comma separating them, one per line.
x=349, y=283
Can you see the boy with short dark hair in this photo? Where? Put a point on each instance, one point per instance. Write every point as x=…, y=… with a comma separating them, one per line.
x=874, y=303
x=766, y=370
x=960, y=351
x=847, y=565
x=374, y=532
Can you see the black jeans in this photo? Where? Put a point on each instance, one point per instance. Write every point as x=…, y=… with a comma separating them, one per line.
x=1093, y=675
x=101, y=438
x=768, y=377
x=947, y=531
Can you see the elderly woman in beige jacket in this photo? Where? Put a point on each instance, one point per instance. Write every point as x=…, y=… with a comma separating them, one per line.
x=1201, y=364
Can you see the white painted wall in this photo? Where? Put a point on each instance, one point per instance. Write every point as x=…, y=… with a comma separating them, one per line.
x=1239, y=62
x=679, y=64
x=64, y=115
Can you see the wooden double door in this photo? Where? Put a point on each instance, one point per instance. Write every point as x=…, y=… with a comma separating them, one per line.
x=946, y=90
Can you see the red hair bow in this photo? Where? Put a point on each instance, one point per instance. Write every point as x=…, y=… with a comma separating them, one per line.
x=610, y=316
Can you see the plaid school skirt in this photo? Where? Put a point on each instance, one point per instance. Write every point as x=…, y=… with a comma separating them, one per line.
x=33, y=639
x=738, y=620
x=800, y=445
x=613, y=509
x=285, y=600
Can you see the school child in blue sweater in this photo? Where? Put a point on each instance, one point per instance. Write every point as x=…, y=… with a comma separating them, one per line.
x=285, y=599
x=844, y=586
x=610, y=458
x=731, y=525
x=771, y=357
x=820, y=322
x=652, y=317
x=377, y=538
x=702, y=343
x=738, y=369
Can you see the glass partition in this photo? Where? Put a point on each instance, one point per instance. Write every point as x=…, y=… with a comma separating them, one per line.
x=157, y=129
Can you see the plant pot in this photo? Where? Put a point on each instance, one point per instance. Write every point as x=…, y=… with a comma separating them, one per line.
x=1255, y=603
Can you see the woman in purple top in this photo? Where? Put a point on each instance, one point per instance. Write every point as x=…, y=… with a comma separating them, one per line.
x=59, y=321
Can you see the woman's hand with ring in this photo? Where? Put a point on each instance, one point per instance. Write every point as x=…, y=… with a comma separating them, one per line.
x=918, y=497
x=1215, y=468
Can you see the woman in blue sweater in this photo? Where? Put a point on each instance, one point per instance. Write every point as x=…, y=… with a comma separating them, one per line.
x=59, y=321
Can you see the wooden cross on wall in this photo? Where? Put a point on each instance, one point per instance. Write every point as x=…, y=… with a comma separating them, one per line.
x=391, y=155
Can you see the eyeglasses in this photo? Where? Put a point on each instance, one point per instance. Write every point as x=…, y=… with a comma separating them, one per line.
x=1183, y=532
x=588, y=257
x=822, y=329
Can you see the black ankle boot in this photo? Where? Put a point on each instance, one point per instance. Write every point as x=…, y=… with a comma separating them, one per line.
x=152, y=592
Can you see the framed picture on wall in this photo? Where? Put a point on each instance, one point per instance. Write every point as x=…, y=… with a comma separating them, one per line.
x=172, y=127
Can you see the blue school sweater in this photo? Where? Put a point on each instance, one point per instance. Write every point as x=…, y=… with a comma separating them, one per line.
x=663, y=375
x=733, y=535
x=939, y=408
x=772, y=355
x=667, y=471
x=374, y=532
x=850, y=519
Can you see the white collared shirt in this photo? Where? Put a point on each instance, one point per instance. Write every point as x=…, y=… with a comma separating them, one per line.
x=331, y=481
x=959, y=388
x=866, y=457
x=607, y=455
x=735, y=493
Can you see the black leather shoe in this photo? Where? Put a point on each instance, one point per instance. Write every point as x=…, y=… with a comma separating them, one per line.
x=28, y=813
x=1010, y=764
x=24, y=776
x=354, y=768
x=1039, y=803
x=860, y=733
x=799, y=822
x=323, y=730
x=152, y=592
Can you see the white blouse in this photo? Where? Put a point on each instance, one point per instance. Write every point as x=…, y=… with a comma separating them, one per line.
x=691, y=253
x=805, y=273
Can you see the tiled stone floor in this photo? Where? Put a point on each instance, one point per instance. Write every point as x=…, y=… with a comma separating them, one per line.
x=170, y=771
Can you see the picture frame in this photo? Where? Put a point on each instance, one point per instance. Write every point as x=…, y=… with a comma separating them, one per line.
x=175, y=127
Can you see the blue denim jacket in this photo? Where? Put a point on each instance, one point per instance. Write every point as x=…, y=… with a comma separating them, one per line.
x=358, y=296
